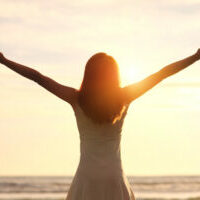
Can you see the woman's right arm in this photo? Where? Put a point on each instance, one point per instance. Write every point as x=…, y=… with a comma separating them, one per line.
x=135, y=90
x=23, y=70
x=66, y=93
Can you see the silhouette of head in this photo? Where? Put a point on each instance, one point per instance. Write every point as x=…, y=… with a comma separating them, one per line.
x=101, y=72
x=99, y=94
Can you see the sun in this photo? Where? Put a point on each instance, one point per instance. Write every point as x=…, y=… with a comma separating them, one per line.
x=129, y=74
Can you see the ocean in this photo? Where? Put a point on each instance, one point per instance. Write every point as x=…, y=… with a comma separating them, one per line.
x=56, y=187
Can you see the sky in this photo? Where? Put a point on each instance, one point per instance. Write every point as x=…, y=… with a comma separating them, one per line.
x=38, y=131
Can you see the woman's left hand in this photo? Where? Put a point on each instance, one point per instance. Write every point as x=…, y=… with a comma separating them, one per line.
x=197, y=54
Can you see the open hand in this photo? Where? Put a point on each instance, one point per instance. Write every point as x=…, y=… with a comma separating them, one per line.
x=2, y=58
x=197, y=54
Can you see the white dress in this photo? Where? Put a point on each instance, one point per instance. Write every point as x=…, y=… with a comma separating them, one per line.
x=100, y=174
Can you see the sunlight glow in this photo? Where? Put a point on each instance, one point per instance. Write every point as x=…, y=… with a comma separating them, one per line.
x=129, y=74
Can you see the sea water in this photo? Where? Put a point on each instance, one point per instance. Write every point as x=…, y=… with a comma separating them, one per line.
x=56, y=187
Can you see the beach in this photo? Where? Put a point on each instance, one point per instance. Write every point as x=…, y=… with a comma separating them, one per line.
x=56, y=187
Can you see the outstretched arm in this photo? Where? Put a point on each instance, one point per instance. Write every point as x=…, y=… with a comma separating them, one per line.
x=135, y=90
x=64, y=92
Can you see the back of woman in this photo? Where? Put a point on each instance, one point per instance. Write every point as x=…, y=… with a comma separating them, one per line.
x=100, y=106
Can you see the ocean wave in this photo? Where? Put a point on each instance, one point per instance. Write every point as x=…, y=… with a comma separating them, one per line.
x=145, y=188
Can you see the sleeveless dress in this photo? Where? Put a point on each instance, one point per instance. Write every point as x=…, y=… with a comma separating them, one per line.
x=100, y=174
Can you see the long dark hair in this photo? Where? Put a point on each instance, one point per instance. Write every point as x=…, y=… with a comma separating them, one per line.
x=99, y=95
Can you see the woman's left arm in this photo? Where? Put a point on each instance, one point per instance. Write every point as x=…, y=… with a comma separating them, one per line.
x=179, y=65
x=64, y=92
x=135, y=90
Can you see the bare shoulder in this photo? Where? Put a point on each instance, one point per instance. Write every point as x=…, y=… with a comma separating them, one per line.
x=74, y=98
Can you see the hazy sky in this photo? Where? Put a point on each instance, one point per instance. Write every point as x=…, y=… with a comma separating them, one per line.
x=38, y=131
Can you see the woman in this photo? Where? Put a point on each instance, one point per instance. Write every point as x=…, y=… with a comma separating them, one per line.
x=100, y=106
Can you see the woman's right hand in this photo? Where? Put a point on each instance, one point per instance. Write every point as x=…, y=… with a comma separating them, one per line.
x=2, y=58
